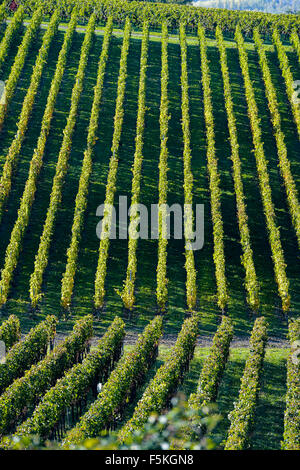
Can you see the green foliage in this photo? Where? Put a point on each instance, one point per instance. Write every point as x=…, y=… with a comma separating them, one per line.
x=161, y=270
x=155, y=13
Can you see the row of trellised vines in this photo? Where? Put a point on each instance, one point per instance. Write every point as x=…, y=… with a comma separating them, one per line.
x=16, y=238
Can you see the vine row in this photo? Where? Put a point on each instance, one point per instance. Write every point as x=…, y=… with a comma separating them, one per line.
x=121, y=384
x=251, y=283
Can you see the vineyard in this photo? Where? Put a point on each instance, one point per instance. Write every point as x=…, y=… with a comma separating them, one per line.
x=161, y=104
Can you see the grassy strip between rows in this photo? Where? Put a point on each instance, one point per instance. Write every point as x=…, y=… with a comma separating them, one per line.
x=242, y=416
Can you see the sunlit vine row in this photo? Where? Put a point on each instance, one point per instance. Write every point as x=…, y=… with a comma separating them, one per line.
x=161, y=270
x=214, y=179
x=263, y=176
x=291, y=435
x=27, y=352
x=213, y=367
x=10, y=33
x=295, y=41
x=243, y=414
x=16, y=238
x=3, y=12
x=10, y=331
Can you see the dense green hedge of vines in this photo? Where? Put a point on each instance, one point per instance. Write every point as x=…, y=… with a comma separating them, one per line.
x=173, y=14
